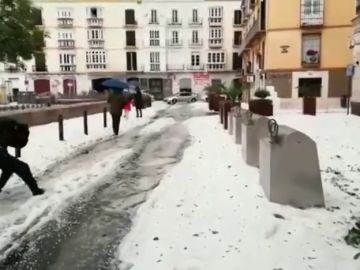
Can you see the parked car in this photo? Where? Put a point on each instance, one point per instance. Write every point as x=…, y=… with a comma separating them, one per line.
x=181, y=97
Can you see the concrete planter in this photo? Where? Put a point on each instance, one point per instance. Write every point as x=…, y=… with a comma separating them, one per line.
x=262, y=107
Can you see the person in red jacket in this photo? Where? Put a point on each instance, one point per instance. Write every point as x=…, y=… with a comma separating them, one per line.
x=127, y=108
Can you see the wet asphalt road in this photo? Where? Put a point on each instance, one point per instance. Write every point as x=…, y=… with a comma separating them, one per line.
x=88, y=232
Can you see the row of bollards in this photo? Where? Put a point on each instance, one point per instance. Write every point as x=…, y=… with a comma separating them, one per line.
x=61, y=128
x=85, y=123
x=288, y=162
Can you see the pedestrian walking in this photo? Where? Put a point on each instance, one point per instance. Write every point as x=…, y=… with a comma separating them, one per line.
x=117, y=102
x=139, y=103
x=127, y=108
x=15, y=134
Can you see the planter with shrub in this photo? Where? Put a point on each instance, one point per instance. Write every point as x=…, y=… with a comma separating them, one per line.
x=261, y=106
x=214, y=92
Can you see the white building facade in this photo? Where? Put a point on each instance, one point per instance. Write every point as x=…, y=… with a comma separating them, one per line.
x=356, y=49
x=164, y=45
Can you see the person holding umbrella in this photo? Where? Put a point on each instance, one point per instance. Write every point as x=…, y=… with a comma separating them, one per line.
x=117, y=101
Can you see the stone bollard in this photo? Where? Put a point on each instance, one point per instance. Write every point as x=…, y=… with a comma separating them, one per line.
x=238, y=120
x=231, y=121
x=221, y=111
x=226, y=110
x=289, y=168
x=253, y=129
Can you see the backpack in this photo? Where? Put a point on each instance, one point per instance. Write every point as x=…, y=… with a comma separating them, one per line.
x=13, y=133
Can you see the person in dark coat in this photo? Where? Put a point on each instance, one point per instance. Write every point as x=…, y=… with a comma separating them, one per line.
x=15, y=134
x=117, y=102
x=138, y=100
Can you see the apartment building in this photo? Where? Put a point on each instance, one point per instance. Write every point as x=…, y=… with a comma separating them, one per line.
x=290, y=44
x=355, y=44
x=164, y=45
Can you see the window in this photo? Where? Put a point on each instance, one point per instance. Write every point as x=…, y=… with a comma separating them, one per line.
x=153, y=18
x=67, y=59
x=215, y=33
x=195, y=17
x=312, y=12
x=215, y=12
x=154, y=38
x=358, y=7
x=216, y=36
x=195, y=37
x=94, y=12
x=96, y=59
x=131, y=61
x=155, y=61
x=96, y=34
x=311, y=49
x=237, y=61
x=175, y=37
x=215, y=15
x=130, y=38
x=216, y=57
x=130, y=17
x=64, y=13
x=237, y=17
x=237, y=38
x=174, y=17
x=195, y=59
x=216, y=61
x=67, y=62
x=66, y=35
x=37, y=15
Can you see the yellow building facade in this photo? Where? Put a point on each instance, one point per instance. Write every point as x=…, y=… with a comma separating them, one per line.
x=288, y=44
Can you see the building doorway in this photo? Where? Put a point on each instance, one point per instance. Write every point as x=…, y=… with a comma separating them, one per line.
x=69, y=86
x=156, y=88
x=310, y=87
x=41, y=86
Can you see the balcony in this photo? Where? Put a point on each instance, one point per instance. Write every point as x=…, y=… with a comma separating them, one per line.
x=66, y=44
x=154, y=21
x=95, y=22
x=174, y=44
x=67, y=68
x=255, y=32
x=194, y=22
x=154, y=67
x=216, y=43
x=96, y=66
x=65, y=22
x=131, y=24
x=312, y=15
x=175, y=67
x=96, y=43
x=216, y=66
x=172, y=22
x=196, y=67
x=39, y=68
x=195, y=44
x=130, y=45
x=215, y=21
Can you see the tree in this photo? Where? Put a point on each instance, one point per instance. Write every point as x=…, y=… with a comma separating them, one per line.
x=19, y=36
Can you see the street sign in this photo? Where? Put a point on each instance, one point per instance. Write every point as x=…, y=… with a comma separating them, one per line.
x=350, y=70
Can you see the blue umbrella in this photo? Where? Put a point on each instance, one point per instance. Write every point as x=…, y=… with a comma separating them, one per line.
x=115, y=84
